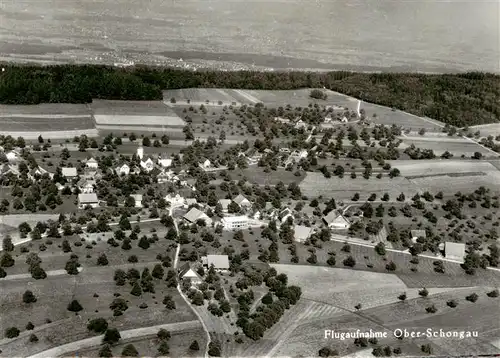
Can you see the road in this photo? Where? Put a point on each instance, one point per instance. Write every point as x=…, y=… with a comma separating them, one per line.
x=96, y=341
x=176, y=262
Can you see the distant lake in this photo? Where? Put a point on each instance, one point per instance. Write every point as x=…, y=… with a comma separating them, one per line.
x=416, y=35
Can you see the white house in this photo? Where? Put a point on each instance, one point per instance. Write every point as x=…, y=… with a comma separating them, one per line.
x=123, y=169
x=240, y=222
x=302, y=233
x=164, y=163
x=148, y=164
x=176, y=200
x=140, y=152
x=454, y=251
x=13, y=156
x=336, y=221
x=137, y=199
x=284, y=214
x=91, y=163
x=69, y=173
x=34, y=173
x=242, y=201
x=86, y=186
x=300, y=124
x=206, y=164
x=282, y=120
x=87, y=199
x=186, y=272
x=220, y=262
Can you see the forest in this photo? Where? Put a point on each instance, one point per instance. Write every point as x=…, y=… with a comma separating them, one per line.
x=457, y=99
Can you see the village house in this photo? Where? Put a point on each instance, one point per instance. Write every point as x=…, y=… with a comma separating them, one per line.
x=148, y=164
x=242, y=201
x=336, y=221
x=284, y=214
x=206, y=164
x=282, y=120
x=454, y=251
x=69, y=173
x=37, y=172
x=186, y=272
x=191, y=201
x=13, y=155
x=86, y=186
x=300, y=124
x=87, y=199
x=123, y=169
x=176, y=200
x=137, y=199
x=91, y=163
x=285, y=150
x=193, y=215
x=220, y=262
x=240, y=222
x=224, y=203
x=302, y=233
x=164, y=163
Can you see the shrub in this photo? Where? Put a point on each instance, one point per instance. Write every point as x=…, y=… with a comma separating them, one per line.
x=111, y=336
x=493, y=293
x=98, y=325
x=472, y=297
x=129, y=351
x=75, y=306
x=12, y=332
x=194, y=346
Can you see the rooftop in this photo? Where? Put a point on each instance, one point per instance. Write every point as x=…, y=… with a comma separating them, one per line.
x=69, y=172
x=87, y=198
x=194, y=214
x=219, y=261
x=302, y=232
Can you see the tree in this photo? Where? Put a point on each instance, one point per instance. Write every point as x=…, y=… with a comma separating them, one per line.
x=120, y=277
x=97, y=325
x=33, y=338
x=136, y=289
x=423, y=292
x=472, y=297
x=6, y=260
x=163, y=334
x=318, y=94
x=102, y=260
x=146, y=142
x=75, y=306
x=111, y=336
x=158, y=272
x=477, y=155
x=143, y=243
x=194, y=346
x=492, y=294
x=72, y=266
x=349, y=261
x=380, y=249
x=426, y=348
x=7, y=244
x=402, y=296
x=214, y=348
x=105, y=351
x=164, y=348
x=12, y=332
x=29, y=297
x=30, y=326
x=129, y=350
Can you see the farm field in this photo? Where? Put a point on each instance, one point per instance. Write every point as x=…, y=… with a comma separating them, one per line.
x=54, y=293
x=415, y=168
x=214, y=96
x=315, y=184
x=148, y=346
x=487, y=129
x=347, y=287
x=457, y=147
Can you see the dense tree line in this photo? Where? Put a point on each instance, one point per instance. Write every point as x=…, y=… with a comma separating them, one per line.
x=457, y=99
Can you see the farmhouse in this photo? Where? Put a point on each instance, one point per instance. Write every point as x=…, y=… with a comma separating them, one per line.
x=176, y=200
x=69, y=173
x=86, y=186
x=334, y=220
x=194, y=215
x=191, y=201
x=242, y=201
x=302, y=233
x=89, y=199
x=454, y=251
x=123, y=169
x=240, y=222
x=220, y=262
x=138, y=200
x=282, y=120
x=186, y=272
x=415, y=234
x=300, y=124
x=225, y=204
x=91, y=163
